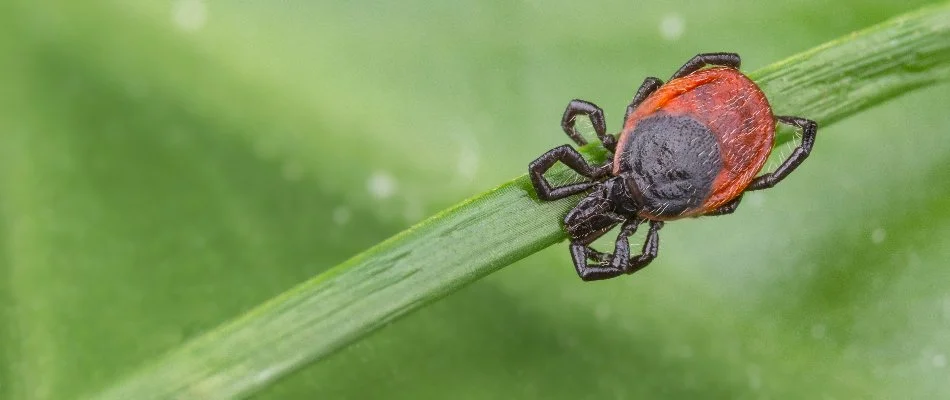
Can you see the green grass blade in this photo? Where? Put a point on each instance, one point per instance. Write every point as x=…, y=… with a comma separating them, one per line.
x=497, y=228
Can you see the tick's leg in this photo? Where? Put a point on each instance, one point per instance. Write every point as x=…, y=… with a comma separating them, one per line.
x=607, y=266
x=809, y=129
x=647, y=88
x=570, y=157
x=598, y=256
x=591, y=272
x=596, y=115
x=650, y=247
x=724, y=209
x=701, y=60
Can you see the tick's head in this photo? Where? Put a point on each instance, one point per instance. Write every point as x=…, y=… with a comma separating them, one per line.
x=609, y=204
x=625, y=195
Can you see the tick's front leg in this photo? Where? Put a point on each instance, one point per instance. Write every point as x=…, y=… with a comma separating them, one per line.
x=596, y=115
x=609, y=266
x=650, y=248
x=574, y=160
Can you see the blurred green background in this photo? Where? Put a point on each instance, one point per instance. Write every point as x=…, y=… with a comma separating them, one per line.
x=167, y=165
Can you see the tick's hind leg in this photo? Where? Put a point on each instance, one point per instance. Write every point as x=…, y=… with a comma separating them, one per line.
x=725, y=209
x=651, y=247
x=809, y=130
x=699, y=61
x=649, y=85
x=610, y=266
x=574, y=160
x=596, y=115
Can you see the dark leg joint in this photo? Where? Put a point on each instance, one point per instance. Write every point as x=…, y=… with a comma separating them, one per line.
x=650, y=249
x=596, y=115
x=727, y=208
x=588, y=272
x=809, y=131
x=649, y=85
x=696, y=63
x=620, y=262
x=571, y=158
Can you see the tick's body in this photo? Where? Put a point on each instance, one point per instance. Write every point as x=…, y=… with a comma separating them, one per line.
x=690, y=147
x=696, y=142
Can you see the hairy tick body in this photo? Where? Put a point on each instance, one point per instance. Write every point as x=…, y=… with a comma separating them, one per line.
x=688, y=148
x=673, y=162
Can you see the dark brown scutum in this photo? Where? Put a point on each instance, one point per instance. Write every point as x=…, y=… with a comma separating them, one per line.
x=671, y=162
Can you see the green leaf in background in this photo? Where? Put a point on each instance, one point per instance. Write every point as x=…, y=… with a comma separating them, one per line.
x=167, y=166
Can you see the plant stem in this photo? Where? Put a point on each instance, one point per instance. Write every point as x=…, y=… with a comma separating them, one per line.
x=494, y=229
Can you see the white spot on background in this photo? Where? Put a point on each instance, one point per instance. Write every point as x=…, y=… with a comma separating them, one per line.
x=341, y=215
x=467, y=163
x=939, y=361
x=878, y=235
x=266, y=374
x=672, y=26
x=818, y=331
x=755, y=377
x=190, y=15
x=381, y=185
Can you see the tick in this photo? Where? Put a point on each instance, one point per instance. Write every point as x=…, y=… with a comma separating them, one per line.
x=688, y=148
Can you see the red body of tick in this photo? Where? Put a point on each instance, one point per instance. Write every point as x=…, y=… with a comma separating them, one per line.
x=737, y=113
